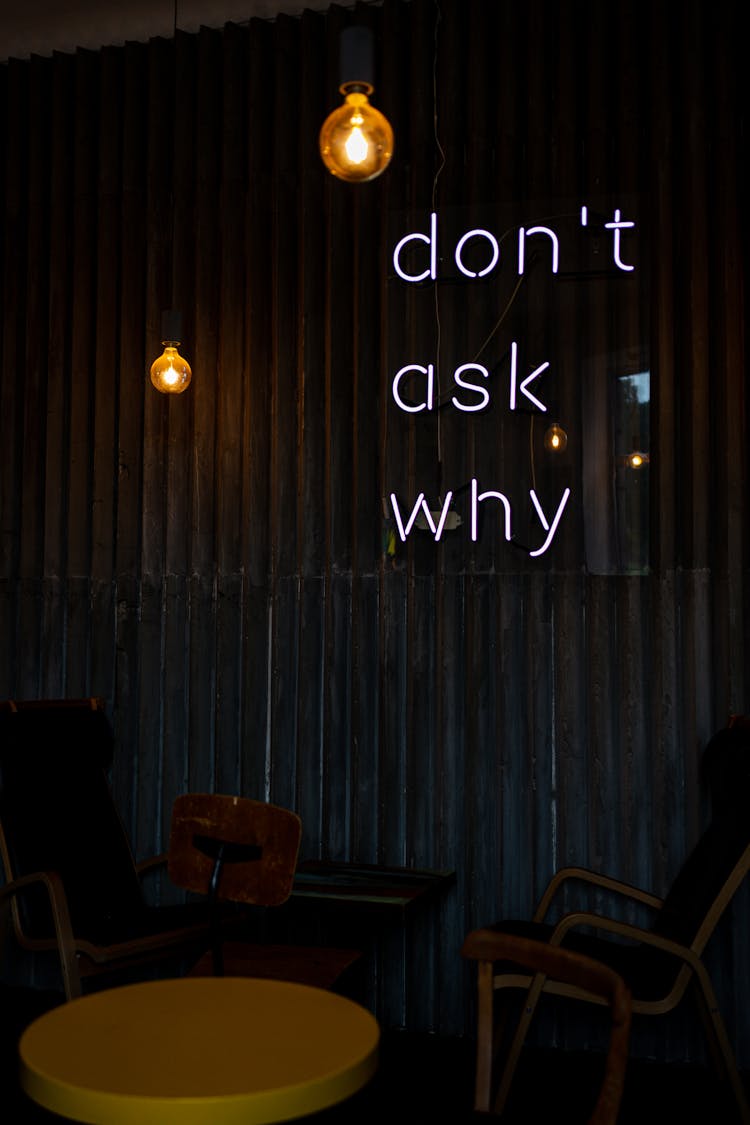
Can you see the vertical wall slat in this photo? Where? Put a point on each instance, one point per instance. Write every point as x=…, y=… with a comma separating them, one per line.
x=105, y=458
x=126, y=778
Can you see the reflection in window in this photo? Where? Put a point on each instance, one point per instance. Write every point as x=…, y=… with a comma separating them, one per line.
x=632, y=460
x=617, y=463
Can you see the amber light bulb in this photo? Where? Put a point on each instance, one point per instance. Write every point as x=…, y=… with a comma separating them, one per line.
x=555, y=439
x=356, y=140
x=170, y=373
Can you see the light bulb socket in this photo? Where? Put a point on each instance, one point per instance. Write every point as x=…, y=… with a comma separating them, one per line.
x=357, y=60
x=171, y=326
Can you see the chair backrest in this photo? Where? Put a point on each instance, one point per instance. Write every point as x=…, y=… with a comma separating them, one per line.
x=721, y=858
x=57, y=814
x=258, y=844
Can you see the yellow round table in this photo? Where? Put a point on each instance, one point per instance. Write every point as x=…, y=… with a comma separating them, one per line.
x=199, y=1051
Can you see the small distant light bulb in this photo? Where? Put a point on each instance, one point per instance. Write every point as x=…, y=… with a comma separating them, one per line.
x=636, y=459
x=555, y=439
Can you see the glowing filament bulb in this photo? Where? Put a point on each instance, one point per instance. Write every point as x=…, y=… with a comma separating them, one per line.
x=555, y=439
x=170, y=373
x=170, y=376
x=356, y=140
x=356, y=145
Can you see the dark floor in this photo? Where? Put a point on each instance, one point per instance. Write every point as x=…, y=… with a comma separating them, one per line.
x=424, y=1080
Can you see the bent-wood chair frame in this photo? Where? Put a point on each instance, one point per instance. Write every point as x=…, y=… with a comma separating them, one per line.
x=480, y=945
x=576, y=971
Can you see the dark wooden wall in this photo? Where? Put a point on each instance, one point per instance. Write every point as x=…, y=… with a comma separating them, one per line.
x=216, y=565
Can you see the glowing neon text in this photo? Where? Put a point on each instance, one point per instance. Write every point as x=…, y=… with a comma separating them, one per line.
x=437, y=525
x=418, y=257
x=492, y=247
x=426, y=398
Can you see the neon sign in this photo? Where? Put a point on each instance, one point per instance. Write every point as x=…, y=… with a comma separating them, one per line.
x=617, y=226
x=427, y=400
x=417, y=260
x=478, y=498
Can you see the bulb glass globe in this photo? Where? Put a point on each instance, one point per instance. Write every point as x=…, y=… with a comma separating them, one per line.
x=555, y=439
x=356, y=141
x=170, y=373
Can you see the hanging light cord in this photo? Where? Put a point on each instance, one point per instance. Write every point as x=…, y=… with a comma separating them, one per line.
x=439, y=169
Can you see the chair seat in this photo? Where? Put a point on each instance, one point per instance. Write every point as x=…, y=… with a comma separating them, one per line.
x=302, y=964
x=648, y=972
x=151, y=920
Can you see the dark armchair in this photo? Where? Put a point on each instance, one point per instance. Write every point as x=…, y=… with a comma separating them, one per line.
x=660, y=964
x=69, y=873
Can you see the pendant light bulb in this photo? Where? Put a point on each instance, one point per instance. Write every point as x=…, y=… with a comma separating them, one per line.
x=170, y=373
x=555, y=439
x=356, y=140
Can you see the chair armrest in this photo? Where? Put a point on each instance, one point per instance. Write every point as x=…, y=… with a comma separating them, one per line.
x=550, y=959
x=66, y=946
x=583, y=874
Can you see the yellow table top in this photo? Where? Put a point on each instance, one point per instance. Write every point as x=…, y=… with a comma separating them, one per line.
x=218, y=1050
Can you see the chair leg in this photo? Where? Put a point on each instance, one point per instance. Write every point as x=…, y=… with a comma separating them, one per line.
x=514, y=1051
x=719, y=1044
x=485, y=1035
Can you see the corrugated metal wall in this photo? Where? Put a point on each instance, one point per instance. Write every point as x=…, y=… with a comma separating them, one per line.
x=217, y=566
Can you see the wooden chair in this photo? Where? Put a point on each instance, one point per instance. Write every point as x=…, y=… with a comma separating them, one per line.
x=558, y=965
x=70, y=876
x=239, y=850
x=659, y=964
